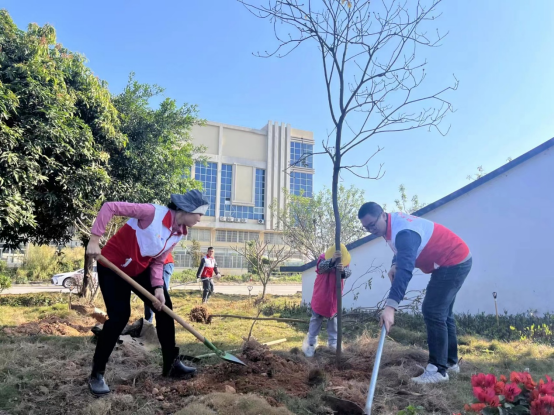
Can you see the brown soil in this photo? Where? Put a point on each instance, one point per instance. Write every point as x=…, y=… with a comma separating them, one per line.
x=49, y=326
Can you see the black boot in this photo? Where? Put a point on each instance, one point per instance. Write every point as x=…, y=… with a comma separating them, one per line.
x=173, y=367
x=97, y=385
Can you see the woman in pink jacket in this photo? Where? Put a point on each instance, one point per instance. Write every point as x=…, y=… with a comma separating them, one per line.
x=140, y=248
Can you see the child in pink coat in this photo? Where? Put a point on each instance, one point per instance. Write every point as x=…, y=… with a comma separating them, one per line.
x=324, y=302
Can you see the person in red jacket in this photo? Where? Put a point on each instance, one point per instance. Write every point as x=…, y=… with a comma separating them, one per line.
x=324, y=301
x=140, y=249
x=168, y=271
x=434, y=249
x=206, y=270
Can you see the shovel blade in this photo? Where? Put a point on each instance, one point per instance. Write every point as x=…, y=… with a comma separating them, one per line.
x=222, y=354
x=342, y=406
x=231, y=358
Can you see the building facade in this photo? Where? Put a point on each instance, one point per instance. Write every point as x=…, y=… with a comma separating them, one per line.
x=246, y=172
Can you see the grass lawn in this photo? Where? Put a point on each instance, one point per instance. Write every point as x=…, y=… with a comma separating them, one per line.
x=46, y=374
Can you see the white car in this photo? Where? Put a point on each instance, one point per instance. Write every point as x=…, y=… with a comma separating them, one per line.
x=72, y=279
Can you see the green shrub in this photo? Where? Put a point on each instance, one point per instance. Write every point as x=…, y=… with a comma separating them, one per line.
x=32, y=299
x=184, y=276
x=21, y=276
x=5, y=282
x=515, y=327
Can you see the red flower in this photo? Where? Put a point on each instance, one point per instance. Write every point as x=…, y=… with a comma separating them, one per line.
x=486, y=396
x=546, y=388
x=477, y=407
x=516, y=377
x=503, y=379
x=543, y=406
x=511, y=391
x=528, y=381
x=499, y=387
x=483, y=381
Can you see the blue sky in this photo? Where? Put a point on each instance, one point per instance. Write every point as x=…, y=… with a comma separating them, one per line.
x=201, y=52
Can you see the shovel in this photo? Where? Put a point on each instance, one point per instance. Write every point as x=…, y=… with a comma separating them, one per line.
x=221, y=354
x=373, y=382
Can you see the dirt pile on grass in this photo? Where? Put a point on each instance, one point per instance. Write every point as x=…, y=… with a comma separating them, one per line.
x=51, y=325
x=230, y=404
x=264, y=372
x=200, y=314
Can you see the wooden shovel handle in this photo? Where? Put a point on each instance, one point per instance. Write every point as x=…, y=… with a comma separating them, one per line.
x=149, y=296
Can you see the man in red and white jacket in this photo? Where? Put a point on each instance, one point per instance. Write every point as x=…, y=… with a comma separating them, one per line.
x=434, y=249
x=208, y=267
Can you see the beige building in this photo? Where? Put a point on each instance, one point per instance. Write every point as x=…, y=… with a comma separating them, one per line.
x=246, y=172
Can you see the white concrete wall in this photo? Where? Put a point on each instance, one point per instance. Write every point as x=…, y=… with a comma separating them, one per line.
x=507, y=223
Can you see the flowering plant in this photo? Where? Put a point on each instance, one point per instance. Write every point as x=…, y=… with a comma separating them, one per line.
x=520, y=395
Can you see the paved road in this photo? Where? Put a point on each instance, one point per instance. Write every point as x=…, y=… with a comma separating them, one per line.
x=227, y=289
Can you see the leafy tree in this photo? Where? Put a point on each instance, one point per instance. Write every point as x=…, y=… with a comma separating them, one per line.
x=402, y=202
x=308, y=224
x=196, y=253
x=58, y=127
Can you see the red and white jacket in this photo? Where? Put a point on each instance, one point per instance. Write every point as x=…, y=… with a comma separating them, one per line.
x=144, y=241
x=439, y=246
x=207, y=268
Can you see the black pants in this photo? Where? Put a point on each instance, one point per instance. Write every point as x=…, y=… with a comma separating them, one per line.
x=208, y=286
x=117, y=297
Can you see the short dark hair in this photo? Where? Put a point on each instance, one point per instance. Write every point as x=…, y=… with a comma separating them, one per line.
x=371, y=208
x=174, y=207
x=210, y=248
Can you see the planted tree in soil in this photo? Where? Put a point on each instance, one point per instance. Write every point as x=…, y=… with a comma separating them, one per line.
x=367, y=53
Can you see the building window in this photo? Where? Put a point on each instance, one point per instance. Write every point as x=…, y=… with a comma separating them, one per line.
x=228, y=236
x=198, y=235
x=227, y=209
x=301, y=155
x=273, y=238
x=229, y=259
x=207, y=174
x=301, y=184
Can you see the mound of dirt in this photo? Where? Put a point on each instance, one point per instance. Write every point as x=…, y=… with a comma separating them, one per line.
x=49, y=326
x=200, y=314
x=264, y=372
x=231, y=404
x=269, y=372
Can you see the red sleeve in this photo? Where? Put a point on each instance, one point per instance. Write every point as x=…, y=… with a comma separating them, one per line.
x=142, y=212
x=169, y=258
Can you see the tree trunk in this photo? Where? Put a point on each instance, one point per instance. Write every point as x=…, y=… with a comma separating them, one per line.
x=87, y=275
x=336, y=171
x=264, y=284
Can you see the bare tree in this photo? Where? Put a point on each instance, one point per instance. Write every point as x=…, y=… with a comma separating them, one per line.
x=368, y=59
x=264, y=259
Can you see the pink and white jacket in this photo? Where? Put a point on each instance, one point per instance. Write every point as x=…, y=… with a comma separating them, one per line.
x=144, y=241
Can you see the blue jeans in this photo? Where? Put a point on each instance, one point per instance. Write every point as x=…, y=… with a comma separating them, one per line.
x=437, y=309
x=315, y=326
x=168, y=271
